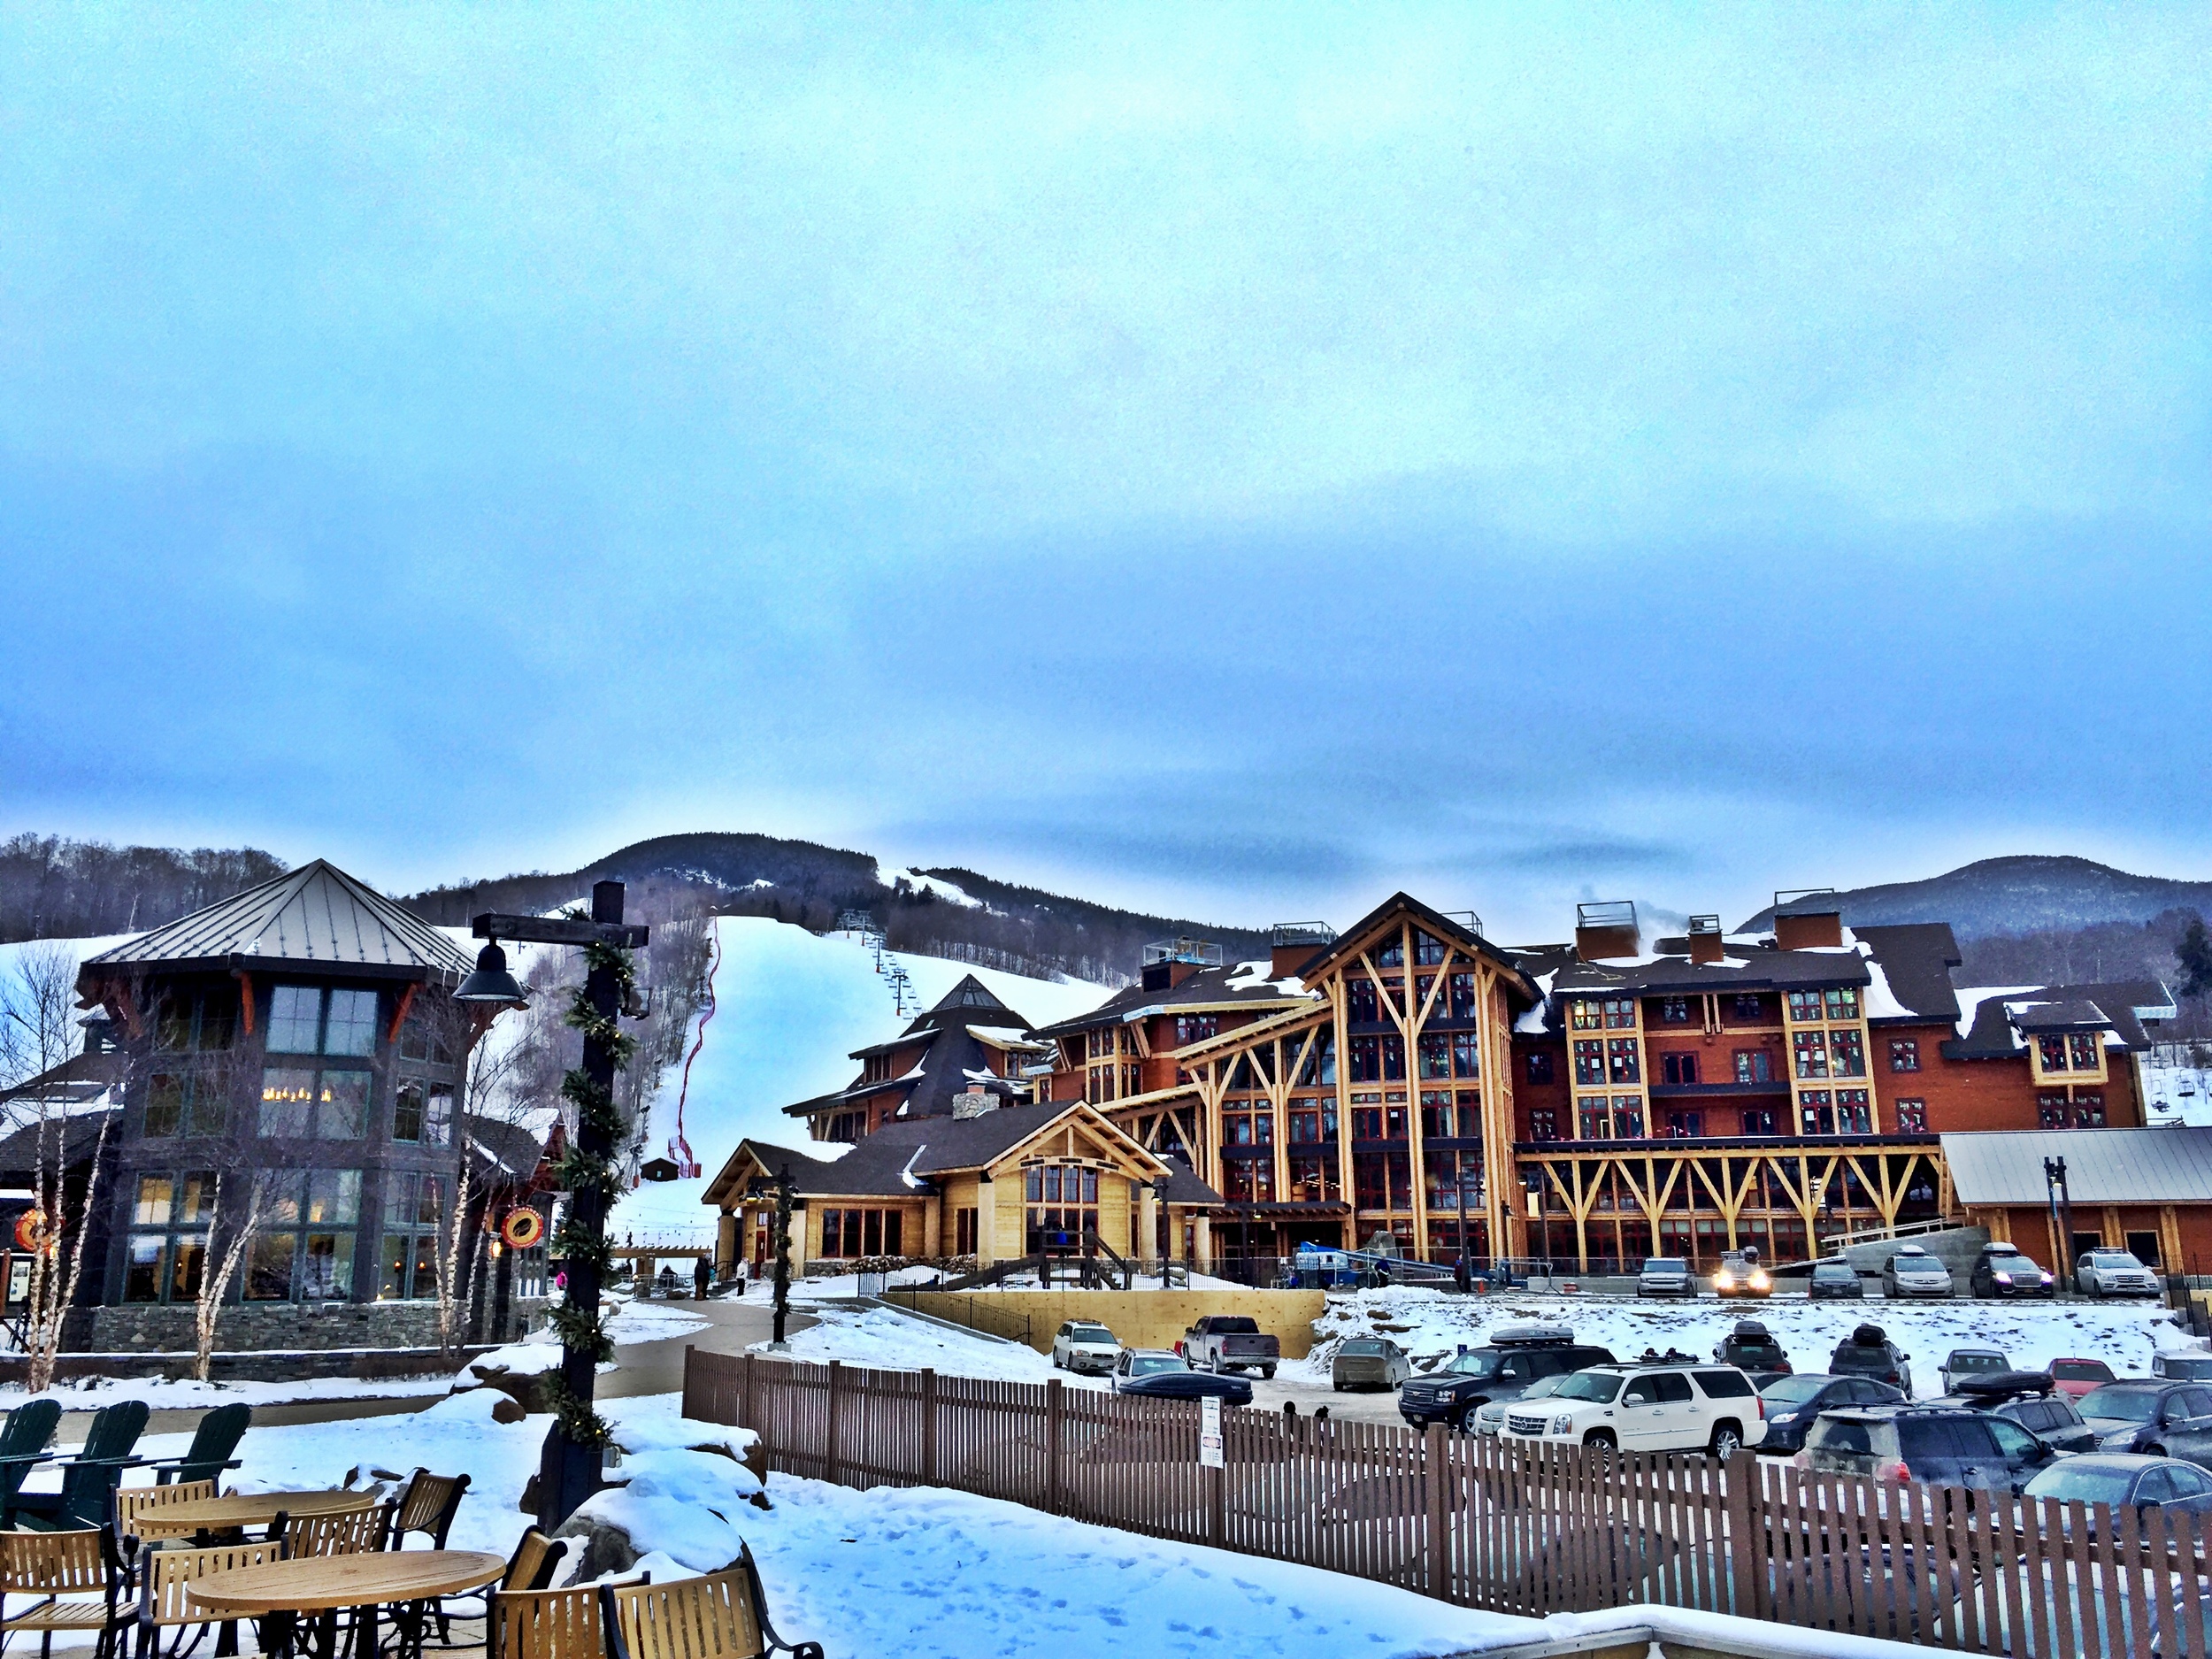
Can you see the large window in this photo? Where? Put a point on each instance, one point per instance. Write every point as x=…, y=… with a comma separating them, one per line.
x=1846, y=1053
x=1436, y=1054
x=848, y=1233
x=1810, y=1049
x=305, y=1248
x=1843, y=1002
x=1360, y=1007
x=1462, y=995
x=1062, y=1205
x=414, y=1205
x=311, y=1019
x=185, y=1103
x=195, y=1021
x=1540, y=1069
x=1754, y=1065
x=1912, y=1117
x=167, y=1252
x=1366, y=1059
x=1621, y=1062
x=1589, y=1060
x=423, y=1112
x=1904, y=1054
x=1620, y=1013
x=1312, y=1120
x=1195, y=1028
x=299, y=1102
x=1678, y=1068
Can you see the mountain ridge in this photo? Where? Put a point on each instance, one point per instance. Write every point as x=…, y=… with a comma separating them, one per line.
x=2017, y=894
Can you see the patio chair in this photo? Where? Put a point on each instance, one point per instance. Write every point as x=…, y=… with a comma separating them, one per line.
x=427, y=1504
x=361, y=1531
x=138, y=1510
x=24, y=1439
x=89, y=1480
x=212, y=1443
x=531, y=1567
x=77, y=1579
x=721, y=1616
x=162, y=1603
x=569, y=1624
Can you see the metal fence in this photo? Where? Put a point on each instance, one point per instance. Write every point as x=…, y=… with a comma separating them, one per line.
x=1507, y=1526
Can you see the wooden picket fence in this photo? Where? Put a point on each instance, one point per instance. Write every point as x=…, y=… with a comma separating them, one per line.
x=1505, y=1525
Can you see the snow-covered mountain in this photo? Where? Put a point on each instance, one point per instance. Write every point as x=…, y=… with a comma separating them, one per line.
x=2023, y=895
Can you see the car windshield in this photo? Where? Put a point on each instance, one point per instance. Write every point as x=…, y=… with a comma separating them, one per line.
x=1543, y=1387
x=1971, y=1361
x=1148, y=1364
x=2067, y=1481
x=1477, y=1363
x=1089, y=1333
x=1590, y=1385
x=2114, y=1259
x=1829, y=1272
x=2081, y=1371
x=2180, y=1366
x=1792, y=1391
x=2124, y=1405
x=1666, y=1264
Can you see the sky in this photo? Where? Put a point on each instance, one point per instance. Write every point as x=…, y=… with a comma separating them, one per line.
x=1233, y=462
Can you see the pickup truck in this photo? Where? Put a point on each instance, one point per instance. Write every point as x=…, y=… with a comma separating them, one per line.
x=1229, y=1342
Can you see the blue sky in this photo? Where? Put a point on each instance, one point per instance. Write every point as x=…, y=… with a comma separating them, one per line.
x=1232, y=461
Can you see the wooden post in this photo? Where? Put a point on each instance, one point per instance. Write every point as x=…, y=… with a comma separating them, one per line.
x=1746, y=1550
x=748, y=1396
x=929, y=1428
x=829, y=1432
x=1056, y=1424
x=691, y=1396
x=1218, y=1506
x=1435, y=1453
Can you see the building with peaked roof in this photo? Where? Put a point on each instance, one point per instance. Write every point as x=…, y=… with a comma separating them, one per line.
x=298, y=1040
x=990, y=1183
x=2145, y=1190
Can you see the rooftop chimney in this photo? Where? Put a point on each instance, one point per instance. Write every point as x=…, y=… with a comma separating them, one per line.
x=1291, y=945
x=973, y=1103
x=1806, y=918
x=1606, y=929
x=1706, y=944
x=1171, y=961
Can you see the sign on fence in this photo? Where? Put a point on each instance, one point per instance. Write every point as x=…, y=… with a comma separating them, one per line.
x=1209, y=1432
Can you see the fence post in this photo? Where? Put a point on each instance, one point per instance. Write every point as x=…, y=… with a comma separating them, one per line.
x=829, y=1434
x=749, y=1398
x=1746, y=1546
x=690, y=1398
x=1056, y=1411
x=929, y=1428
x=1435, y=1454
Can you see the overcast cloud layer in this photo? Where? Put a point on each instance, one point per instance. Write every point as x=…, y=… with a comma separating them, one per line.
x=1238, y=462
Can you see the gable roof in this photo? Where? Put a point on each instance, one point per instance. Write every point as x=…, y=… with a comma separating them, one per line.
x=1345, y=949
x=2103, y=1166
x=314, y=916
x=1236, y=986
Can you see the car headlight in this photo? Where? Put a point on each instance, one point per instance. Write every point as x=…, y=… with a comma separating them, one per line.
x=2002, y=1278
x=1723, y=1281
x=1561, y=1425
x=1783, y=1417
x=1759, y=1281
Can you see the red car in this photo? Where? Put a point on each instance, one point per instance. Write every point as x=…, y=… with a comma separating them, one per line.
x=2076, y=1377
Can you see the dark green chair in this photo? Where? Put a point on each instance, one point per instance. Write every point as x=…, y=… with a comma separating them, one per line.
x=87, y=1498
x=212, y=1444
x=24, y=1439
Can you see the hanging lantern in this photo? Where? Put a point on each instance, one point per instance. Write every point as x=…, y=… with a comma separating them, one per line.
x=31, y=1231
x=522, y=1228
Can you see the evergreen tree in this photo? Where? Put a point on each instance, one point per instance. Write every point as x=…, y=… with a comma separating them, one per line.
x=2194, y=953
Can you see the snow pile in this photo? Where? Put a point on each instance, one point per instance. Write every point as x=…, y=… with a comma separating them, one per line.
x=656, y=1423
x=636, y=1321
x=2031, y=1333
x=885, y=1340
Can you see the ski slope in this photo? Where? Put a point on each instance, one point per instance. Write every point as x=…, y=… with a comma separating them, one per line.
x=789, y=1009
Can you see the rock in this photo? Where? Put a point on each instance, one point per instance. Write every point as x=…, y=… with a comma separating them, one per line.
x=507, y=1409
x=527, y=1389
x=606, y=1547
x=529, y=1504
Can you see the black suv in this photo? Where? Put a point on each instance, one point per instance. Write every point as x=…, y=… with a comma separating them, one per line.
x=1501, y=1368
x=1867, y=1352
x=1937, y=1445
x=2003, y=1269
x=1751, y=1347
x=2031, y=1399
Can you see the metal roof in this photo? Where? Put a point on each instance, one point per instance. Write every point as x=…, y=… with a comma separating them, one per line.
x=316, y=914
x=2103, y=1166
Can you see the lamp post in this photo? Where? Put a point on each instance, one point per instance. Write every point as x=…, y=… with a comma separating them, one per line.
x=779, y=1184
x=569, y=1472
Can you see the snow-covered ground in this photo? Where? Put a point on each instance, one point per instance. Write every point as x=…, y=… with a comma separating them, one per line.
x=2031, y=1333
x=892, y=1341
x=2179, y=1093
x=92, y=1394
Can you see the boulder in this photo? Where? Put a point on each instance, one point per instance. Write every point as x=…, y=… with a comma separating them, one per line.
x=606, y=1547
x=507, y=1409
x=527, y=1389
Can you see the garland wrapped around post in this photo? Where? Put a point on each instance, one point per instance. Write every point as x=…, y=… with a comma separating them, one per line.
x=587, y=1174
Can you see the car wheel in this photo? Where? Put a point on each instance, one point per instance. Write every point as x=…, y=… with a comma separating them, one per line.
x=1267, y=1371
x=1336, y=1386
x=2154, y=1451
x=1727, y=1441
x=1214, y=1365
x=1466, y=1421
x=1599, y=1441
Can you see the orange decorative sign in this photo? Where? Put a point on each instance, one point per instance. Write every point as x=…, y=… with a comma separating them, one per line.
x=523, y=1228
x=31, y=1231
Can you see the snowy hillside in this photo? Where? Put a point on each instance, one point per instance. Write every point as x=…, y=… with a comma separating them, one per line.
x=789, y=1008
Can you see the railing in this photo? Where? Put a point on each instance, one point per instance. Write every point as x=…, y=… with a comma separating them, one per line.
x=1506, y=1525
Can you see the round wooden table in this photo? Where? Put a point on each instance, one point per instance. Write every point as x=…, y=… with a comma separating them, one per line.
x=254, y=1509
x=320, y=1584
x=327, y=1585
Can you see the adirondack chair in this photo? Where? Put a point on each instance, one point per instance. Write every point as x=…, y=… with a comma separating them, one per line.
x=29, y=1430
x=212, y=1444
x=87, y=1498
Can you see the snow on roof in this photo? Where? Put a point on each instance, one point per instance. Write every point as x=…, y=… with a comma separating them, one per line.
x=1004, y=1037
x=1880, y=1002
x=1252, y=976
x=1972, y=999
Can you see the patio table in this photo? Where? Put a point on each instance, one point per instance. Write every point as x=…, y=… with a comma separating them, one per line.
x=323, y=1585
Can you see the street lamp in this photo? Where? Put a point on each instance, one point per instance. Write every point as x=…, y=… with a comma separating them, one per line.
x=569, y=1467
x=780, y=1186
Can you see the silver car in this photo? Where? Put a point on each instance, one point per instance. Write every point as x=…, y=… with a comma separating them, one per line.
x=1912, y=1272
x=1369, y=1362
x=1490, y=1418
x=2114, y=1274
x=1961, y=1362
x=1666, y=1276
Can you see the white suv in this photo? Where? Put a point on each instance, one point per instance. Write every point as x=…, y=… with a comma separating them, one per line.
x=1672, y=1407
x=1082, y=1345
x=2114, y=1274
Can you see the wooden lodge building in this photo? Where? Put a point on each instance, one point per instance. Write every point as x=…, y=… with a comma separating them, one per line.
x=941, y=1148
x=1593, y=1102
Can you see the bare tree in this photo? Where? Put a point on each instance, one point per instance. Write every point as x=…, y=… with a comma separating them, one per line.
x=261, y=1201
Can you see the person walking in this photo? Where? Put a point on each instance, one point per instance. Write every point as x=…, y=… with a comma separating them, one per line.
x=702, y=1277
x=1462, y=1280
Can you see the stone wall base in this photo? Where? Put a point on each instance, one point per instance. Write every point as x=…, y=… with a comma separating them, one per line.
x=288, y=1327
